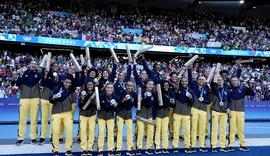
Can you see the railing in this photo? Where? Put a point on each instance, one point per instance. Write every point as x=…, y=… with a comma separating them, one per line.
x=133, y=46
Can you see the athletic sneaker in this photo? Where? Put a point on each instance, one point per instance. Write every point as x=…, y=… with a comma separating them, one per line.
x=193, y=150
x=158, y=151
x=33, y=141
x=68, y=153
x=214, y=150
x=89, y=153
x=203, y=150
x=110, y=153
x=100, y=154
x=19, y=142
x=117, y=153
x=181, y=138
x=236, y=137
x=61, y=141
x=230, y=149
x=84, y=153
x=175, y=150
x=139, y=152
x=130, y=153
x=223, y=149
x=41, y=141
x=243, y=148
x=188, y=151
x=55, y=154
x=165, y=151
x=149, y=152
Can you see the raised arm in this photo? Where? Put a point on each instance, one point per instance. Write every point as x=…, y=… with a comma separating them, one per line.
x=128, y=73
x=113, y=75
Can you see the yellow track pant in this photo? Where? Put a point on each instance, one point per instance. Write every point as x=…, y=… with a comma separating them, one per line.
x=162, y=125
x=26, y=106
x=171, y=121
x=179, y=120
x=208, y=111
x=67, y=119
x=145, y=129
x=62, y=125
x=120, y=121
x=198, y=116
x=237, y=122
x=101, y=130
x=87, y=129
x=150, y=134
x=221, y=119
x=46, y=109
x=208, y=116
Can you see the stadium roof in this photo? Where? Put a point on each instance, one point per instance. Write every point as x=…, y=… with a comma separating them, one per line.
x=244, y=4
x=256, y=8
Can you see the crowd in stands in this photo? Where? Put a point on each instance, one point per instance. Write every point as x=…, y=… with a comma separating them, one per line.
x=102, y=21
x=13, y=63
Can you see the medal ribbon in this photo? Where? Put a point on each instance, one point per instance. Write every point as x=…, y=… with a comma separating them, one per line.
x=221, y=95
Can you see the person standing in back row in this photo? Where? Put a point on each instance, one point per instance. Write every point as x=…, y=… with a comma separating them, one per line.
x=28, y=82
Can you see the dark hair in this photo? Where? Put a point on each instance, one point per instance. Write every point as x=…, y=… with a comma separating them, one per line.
x=162, y=84
x=69, y=78
x=198, y=77
x=149, y=81
x=108, y=84
x=85, y=88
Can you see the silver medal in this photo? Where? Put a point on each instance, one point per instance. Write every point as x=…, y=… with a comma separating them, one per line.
x=58, y=95
x=83, y=93
x=221, y=103
x=201, y=99
x=113, y=101
x=54, y=74
x=148, y=94
x=128, y=96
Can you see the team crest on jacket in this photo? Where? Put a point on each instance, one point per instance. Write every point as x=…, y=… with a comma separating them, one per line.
x=26, y=75
x=204, y=92
x=225, y=93
x=35, y=76
x=152, y=98
x=132, y=99
x=49, y=77
x=103, y=101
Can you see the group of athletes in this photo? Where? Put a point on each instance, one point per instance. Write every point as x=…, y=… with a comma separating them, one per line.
x=188, y=104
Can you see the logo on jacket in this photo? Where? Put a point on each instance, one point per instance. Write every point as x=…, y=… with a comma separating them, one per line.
x=132, y=99
x=35, y=76
x=103, y=101
x=225, y=93
x=152, y=98
x=26, y=75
